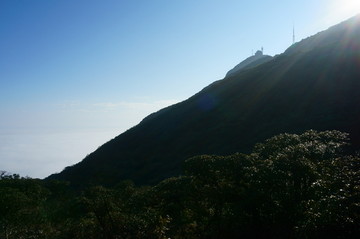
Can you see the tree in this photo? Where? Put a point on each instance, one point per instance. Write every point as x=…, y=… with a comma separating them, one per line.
x=21, y=201
x=299, y=178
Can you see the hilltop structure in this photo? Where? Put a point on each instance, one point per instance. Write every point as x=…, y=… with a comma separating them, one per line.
x=314, y=84
x=258, y=53
x=250, y=62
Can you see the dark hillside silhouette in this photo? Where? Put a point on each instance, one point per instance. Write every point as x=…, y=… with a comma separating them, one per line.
x=250, y=62
x=315, y=84
x=290, y=186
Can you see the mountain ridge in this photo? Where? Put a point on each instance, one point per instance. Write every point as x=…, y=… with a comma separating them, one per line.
x=298, y=90
x=250, y=62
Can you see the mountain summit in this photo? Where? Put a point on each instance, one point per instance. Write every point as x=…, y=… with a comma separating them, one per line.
x=250, y=62
x=314, y=84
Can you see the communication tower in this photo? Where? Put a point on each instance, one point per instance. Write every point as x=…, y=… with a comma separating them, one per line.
x=293, y=34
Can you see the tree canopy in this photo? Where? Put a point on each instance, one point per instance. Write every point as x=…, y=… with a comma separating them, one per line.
x=290, y=186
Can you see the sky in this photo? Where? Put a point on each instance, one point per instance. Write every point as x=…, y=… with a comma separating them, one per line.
x=76, y=73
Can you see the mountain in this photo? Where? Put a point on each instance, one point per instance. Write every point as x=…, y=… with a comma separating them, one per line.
x=314, y=84
x=250, y=62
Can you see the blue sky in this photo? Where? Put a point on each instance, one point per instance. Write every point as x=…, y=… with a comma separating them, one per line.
x=76, y=73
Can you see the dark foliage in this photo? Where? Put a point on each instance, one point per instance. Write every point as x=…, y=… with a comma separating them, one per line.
x=313, y=85
x=290, y=186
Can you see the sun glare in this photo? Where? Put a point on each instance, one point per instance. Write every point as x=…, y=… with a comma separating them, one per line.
x=340, y=10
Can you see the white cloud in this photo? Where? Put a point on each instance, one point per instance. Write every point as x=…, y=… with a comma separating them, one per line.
x=41, y=153
x=146, y=106
x=37, y=142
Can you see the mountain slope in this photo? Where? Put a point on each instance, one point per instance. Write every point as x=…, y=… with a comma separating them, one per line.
x=315, y=84
x=249, y=62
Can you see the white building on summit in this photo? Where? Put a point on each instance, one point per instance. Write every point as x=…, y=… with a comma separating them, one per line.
x=250, y=62
x=258, y=53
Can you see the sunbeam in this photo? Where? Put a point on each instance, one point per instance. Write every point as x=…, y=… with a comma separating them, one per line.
x=342, y=9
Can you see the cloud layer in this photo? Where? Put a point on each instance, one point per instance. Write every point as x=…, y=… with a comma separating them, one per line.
x=39, y=142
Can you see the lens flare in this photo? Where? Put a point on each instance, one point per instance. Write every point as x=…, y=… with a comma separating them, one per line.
x=339, y=10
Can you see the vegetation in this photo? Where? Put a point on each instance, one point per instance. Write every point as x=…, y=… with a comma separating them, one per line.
x=313, y=85
x=290, y=186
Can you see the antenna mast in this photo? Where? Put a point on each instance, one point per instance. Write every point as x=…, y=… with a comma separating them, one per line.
x=293, y=33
